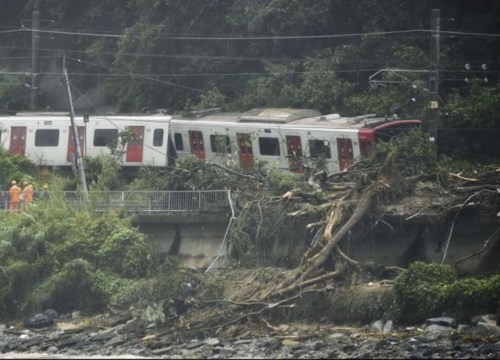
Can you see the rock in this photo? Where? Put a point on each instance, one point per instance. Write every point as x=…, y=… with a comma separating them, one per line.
x=273, y=344
x=336, y=336
x=51, y=313
x=318, y=345
x=117, y=340
x=135, y=325
x=411, y=344
x=388, y=327
x=434, y=328
x=463, y=328
x=487, y=328
x=289, y=342
x=377, y=326
x=212, y=341
x=443, y=321
x=39, y=321
x=75, y=315
x=490, y=318
x=52, y=349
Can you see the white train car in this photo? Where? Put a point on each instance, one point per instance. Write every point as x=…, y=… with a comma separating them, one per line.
x=47, y=139
x=283, y=137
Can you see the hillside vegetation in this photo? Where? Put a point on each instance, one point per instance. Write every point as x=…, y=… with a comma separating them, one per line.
x=335, y=56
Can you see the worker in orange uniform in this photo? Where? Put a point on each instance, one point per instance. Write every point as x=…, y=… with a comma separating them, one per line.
x=14, y=193
x=28, y=196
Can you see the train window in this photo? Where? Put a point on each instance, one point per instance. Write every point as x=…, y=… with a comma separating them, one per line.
x=47, y=137
x=269, y=146
x=179, y=145
x=105, y=137
x=158, y=137
x=320, y=148
x=220, y=144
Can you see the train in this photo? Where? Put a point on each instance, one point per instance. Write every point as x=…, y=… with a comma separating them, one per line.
x=287, y=138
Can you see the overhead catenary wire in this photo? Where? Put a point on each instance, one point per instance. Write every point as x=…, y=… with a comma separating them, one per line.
x=250, y=37
x=139, y=76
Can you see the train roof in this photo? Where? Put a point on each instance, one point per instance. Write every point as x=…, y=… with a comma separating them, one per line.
x=45, y=116
x=291, y=116
x=273, y=117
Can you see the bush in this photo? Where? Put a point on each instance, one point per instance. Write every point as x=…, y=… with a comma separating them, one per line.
x=74, y=287
x=427, y=290
x=419, y=290
x=125, y=252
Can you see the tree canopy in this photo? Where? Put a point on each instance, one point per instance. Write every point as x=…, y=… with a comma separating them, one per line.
x=178, y=55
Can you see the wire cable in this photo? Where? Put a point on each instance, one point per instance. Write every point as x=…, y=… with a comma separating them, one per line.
x=252, y=38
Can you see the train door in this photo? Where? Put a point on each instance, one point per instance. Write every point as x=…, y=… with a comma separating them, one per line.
x=344, y=147
x=135, y=147
x=71, y=143
x=197, y=147
x=294, y=150
x=245, y=150
x=18, y=140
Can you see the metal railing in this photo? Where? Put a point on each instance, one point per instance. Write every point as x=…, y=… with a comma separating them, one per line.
x=141, y=202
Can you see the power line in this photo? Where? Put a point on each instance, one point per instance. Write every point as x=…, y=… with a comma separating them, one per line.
x=246, y=38
x=138, y=75
x=12, y=31
x=215, y=57
x=194, y=74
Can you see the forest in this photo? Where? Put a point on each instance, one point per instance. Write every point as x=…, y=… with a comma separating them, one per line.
x=347, y=57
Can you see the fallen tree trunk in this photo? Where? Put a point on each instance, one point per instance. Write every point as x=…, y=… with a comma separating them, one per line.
x=363, y=207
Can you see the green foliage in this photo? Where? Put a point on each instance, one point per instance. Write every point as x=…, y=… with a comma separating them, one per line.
x=321, y=87
x=142, y=292
x=74, y=287
x=212, y=98
x=279, y=88
x=150, y=178
x=103, y=172
x=413, y=153
x=470, y=126
x=279, y=182
x=14, y=167
x=426, y=290
x=57, y=257
x=154, y=313
x=417, y=290
x=468, y=297
x=124, y=251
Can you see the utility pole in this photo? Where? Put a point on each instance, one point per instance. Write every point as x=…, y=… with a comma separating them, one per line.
x=76, y=140
x=35, y=37
x=434, y=76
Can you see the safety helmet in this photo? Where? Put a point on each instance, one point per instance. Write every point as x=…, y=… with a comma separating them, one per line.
x=45, y=186
x=13, y=182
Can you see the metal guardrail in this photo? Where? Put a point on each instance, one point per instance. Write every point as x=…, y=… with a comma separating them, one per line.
x=142, y=202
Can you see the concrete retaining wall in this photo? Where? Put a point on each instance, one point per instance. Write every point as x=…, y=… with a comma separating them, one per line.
x=393, y=241
x=195, y=240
